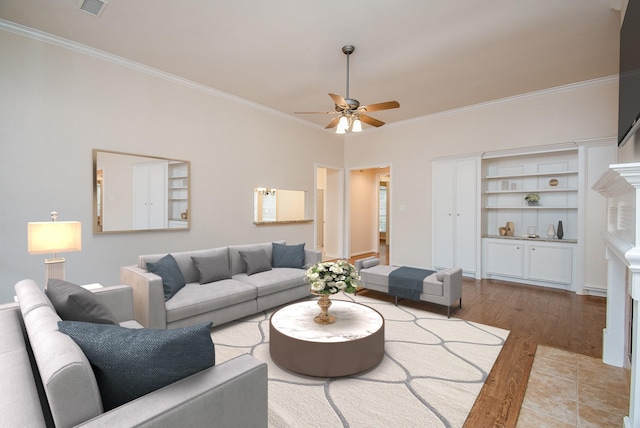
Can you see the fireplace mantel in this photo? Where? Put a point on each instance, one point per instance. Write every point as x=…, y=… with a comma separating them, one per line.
x=620, y=184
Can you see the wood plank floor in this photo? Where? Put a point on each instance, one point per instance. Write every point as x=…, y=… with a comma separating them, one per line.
x=534, y=315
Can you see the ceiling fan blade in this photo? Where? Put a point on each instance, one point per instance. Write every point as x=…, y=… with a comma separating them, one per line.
x=339, y=100
x=333, y=123
x=369, y=120
x=381, y=106
x=315, y=112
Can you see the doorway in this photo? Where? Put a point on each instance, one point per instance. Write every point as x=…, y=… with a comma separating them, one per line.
x=369, y=203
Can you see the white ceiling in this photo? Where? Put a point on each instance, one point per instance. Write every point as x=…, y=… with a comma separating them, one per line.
x=429, y=55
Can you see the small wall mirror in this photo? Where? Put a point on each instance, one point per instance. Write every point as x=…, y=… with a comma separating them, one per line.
x=134, y=193
x=278, y=206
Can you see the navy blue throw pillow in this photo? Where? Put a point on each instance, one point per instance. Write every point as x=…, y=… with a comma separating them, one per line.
x=172, y=280
x=288, y=255
x=129, y=363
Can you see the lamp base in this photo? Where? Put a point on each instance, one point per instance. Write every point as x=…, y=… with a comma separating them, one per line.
x=54, y=269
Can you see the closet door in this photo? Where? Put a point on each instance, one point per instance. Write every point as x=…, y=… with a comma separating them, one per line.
x=443, y=209
x=150, y=196
x=455, y=214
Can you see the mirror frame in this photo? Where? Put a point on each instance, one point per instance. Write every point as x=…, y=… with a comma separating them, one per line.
x=96, y=227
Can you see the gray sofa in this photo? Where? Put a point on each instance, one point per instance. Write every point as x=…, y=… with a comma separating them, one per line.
x=443, y=287
x=46, y=380
x=220, y=301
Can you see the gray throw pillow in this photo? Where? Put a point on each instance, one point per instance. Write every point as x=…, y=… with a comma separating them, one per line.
x=256, y=260
x=129, y=363
x=212, y=268
x=291, y=256
x=172, y=280
x=74, y=303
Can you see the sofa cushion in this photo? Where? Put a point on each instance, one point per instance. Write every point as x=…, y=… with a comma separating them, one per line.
x=291, y=256
x=238, y=265
x=212, y=268
x=129, y=363
x=169, y=271
x=74, y=303
x=275, y=280
x=195, y=299
x=256, y=260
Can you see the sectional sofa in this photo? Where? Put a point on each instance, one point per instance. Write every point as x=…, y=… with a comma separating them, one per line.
x=46, y=379
x=220, y=284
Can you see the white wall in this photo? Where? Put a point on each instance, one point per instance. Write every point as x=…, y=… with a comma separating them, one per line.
x=57, y=104
x=577, y=112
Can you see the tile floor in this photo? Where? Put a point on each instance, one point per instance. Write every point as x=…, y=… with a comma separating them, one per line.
x=572, y=390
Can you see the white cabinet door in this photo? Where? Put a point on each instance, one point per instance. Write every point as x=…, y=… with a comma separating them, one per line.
x=455, y=214
x=466, y=215
x=150, y=195
x=443, y=183
x=504, y=258
x=550, y=263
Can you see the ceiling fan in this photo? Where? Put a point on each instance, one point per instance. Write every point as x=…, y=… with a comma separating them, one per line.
x=351, y=113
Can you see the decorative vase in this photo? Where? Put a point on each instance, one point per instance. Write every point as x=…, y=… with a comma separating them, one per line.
x=560, y=231
x=510, y=228
x=323, y=317
x=532, y=203
x=551, y=231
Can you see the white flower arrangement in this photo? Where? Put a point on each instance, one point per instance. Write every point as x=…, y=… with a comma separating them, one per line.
x=333, y=277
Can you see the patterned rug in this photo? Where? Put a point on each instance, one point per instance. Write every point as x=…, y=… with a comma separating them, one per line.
x=432, y=372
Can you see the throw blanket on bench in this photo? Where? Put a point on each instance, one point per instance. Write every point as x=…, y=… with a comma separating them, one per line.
x=406, y=282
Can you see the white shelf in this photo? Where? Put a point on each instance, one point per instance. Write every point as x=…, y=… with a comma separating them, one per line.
x=499, y=192
x=529, y=207
x=535, y=174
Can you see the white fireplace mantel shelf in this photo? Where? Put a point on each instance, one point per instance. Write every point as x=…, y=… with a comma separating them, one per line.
x=620, y=184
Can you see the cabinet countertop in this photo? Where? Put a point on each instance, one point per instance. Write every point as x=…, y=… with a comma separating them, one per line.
x=541, y=239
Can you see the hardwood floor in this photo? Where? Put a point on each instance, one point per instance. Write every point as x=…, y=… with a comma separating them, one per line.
x=533, y=315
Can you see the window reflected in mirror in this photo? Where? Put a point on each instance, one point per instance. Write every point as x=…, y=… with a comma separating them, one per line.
x=140, y=193
x=278, y=206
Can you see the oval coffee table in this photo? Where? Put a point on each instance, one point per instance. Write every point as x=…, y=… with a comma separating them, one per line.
x=355, y=342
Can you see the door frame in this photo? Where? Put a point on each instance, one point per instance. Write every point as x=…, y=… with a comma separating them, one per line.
x=340, y=212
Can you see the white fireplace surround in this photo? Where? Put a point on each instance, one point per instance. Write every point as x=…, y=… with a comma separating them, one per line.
x=620, y=184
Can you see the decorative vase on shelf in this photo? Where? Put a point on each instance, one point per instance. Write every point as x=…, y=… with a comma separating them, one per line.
x=551, y=231
x=560, y=231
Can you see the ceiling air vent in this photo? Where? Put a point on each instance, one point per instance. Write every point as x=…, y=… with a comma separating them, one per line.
x=94, y=7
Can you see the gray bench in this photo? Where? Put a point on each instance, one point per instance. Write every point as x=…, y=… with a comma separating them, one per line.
x=443, y=287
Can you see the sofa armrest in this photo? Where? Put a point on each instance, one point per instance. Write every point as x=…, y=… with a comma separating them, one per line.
x=233, y=394
x=452, y=279
x=367, y=262
x=119, y=300
x=148, y=296
x=311, y=257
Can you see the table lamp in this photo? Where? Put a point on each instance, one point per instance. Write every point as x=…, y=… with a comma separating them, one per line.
x=54, y=237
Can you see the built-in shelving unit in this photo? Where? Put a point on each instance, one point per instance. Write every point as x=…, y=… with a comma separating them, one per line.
x=530, y=255
x=507, y=180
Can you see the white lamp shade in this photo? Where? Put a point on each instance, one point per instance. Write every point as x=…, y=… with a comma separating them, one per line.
x=357, y=125
x=54, y=237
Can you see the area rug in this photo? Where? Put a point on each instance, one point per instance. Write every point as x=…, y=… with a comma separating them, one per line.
x=430, y=376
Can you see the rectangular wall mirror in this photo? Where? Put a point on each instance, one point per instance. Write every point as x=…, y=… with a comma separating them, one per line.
x=133, y=193
x=278, y=206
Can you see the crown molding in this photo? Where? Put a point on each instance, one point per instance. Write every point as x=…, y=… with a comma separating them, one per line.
x=132, y=65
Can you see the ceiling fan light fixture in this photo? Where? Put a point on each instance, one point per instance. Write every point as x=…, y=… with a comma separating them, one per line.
x=357, y=125
x=343, y=125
